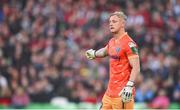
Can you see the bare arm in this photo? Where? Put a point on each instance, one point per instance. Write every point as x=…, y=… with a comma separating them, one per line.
x=135, y=64
x=101, y=53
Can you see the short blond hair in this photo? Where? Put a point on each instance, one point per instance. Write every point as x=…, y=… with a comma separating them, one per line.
x=120, y=14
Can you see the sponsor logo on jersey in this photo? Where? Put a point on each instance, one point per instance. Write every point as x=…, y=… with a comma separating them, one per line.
x=114, y=57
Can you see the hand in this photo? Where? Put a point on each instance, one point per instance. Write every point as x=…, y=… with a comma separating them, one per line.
x=126, y=93
x=90, y=54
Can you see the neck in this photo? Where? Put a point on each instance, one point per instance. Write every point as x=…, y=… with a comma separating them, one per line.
x=119, y=33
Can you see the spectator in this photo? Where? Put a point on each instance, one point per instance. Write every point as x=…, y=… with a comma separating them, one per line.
x=146, y=91
x=20, y=99
x=161, y=101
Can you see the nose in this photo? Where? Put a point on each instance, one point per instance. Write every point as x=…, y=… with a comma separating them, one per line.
x=110, y=24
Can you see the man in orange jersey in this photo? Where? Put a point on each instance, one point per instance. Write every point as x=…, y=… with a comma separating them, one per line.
x=124, y=65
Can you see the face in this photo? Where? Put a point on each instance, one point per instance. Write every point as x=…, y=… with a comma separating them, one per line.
x=116, y=23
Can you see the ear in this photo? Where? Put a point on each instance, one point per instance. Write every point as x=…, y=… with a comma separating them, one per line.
x=123, y=23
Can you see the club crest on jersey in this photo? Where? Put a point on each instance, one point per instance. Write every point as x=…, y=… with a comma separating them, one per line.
x=118, y=49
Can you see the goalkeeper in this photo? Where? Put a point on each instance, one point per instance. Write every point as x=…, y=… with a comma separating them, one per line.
x=124, y=65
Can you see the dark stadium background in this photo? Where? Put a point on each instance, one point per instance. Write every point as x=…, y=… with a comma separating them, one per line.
x=42, y=46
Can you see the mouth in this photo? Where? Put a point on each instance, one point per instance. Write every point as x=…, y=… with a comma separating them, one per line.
x=111, y=27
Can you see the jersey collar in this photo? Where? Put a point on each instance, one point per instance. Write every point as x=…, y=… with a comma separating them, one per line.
x=120, y=37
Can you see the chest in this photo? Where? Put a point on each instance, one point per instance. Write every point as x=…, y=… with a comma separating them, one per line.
x=116, y=49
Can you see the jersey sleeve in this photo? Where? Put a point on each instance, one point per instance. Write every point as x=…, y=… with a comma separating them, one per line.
x=107, y=48
x=131, y=49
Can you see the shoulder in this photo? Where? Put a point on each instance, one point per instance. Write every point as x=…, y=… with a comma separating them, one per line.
x=129, y=41
x=127, y=38
x=111, y=40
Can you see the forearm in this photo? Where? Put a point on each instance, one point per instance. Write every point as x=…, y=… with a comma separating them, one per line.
x=101, y=53
x=134, y=73
x=135, y=68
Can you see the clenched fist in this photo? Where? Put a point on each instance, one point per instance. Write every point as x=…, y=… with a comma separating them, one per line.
x=90, y=54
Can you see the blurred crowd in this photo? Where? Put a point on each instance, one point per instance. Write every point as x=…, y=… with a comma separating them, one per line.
x=42, y=46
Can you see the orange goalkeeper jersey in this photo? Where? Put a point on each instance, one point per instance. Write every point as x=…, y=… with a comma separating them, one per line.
x=119, y=50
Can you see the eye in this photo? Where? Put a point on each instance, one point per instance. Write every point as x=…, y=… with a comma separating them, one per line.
x=114, y=21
